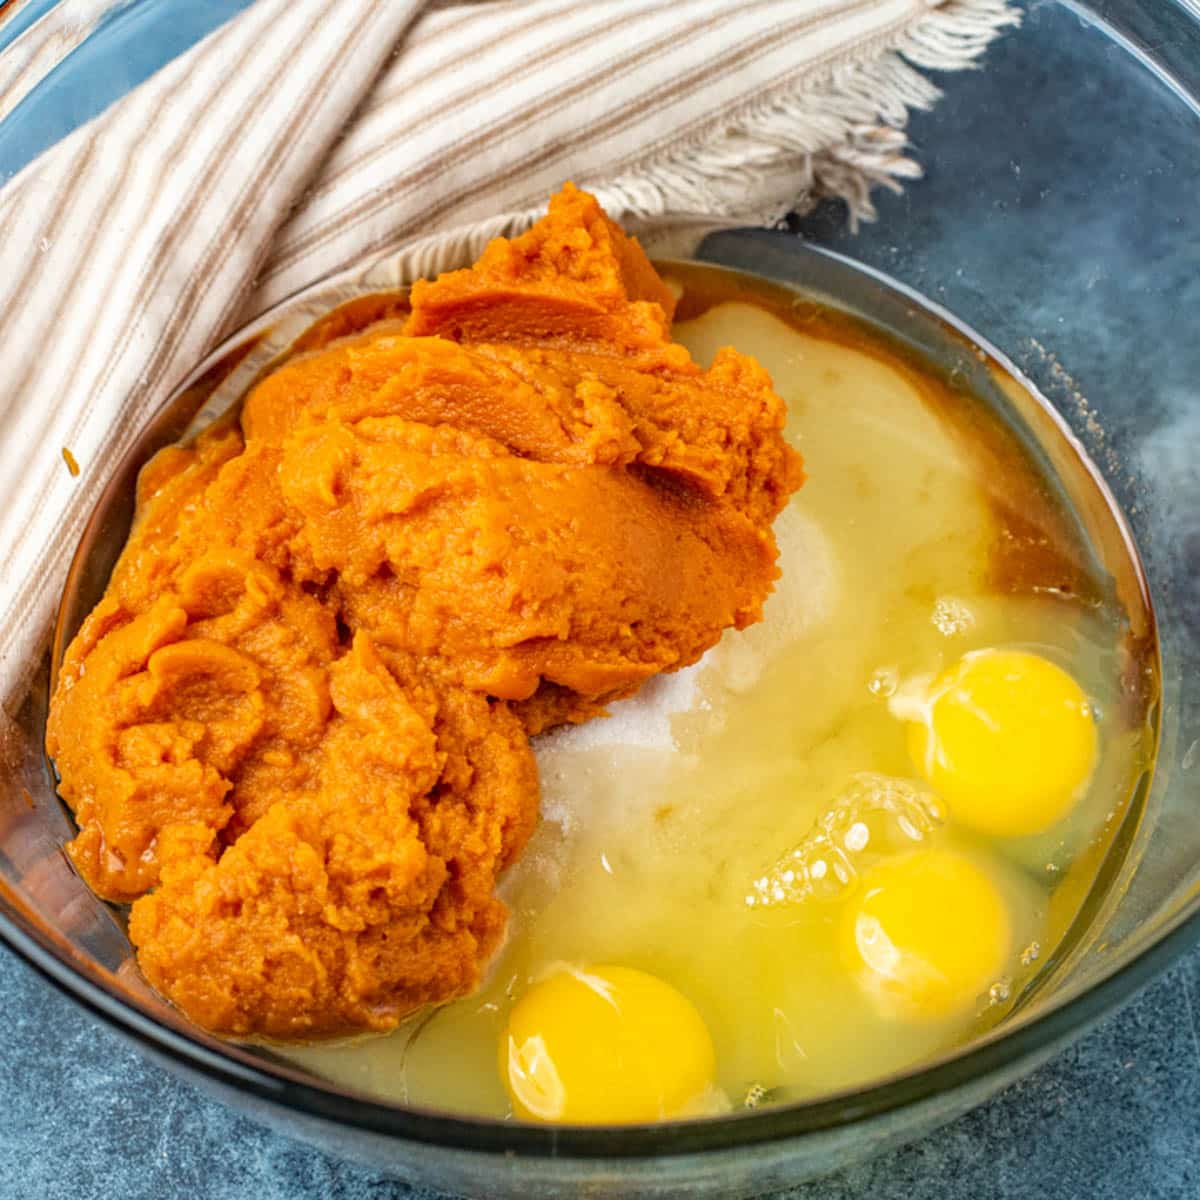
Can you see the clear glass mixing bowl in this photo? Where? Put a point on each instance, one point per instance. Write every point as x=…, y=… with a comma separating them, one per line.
x=1058, y=218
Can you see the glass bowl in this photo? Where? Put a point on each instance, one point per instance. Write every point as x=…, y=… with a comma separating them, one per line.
x=1058, y=219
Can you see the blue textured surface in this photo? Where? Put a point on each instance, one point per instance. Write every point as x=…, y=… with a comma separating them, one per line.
x=1118, y=1115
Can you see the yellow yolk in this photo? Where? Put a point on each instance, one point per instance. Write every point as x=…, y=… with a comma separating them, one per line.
x=605, y=1045
x=1007, y=739
x=927, y=934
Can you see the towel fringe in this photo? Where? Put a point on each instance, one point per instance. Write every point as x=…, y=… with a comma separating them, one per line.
x=839, y=136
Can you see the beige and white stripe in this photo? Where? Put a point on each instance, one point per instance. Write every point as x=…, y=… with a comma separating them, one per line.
x=43, y=46
x=305, y=134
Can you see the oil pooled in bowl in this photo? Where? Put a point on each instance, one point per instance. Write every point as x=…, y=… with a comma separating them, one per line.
x=779, y=834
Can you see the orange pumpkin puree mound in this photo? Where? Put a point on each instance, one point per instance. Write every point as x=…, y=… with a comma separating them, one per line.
x=295, y=731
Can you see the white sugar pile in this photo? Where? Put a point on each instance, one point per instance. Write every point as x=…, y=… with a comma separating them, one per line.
x=638, y=730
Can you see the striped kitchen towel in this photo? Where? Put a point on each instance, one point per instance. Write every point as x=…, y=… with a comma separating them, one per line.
x=305, y=134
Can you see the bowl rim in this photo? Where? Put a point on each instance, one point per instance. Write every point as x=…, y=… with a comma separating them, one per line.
x=232, y=1066
x=1004, y=1048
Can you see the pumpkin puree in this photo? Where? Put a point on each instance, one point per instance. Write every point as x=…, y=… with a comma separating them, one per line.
x=295, y=731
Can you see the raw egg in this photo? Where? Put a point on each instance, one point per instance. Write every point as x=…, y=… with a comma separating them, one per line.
x=926, y=935
x=606, y=1044
x=1008, y=740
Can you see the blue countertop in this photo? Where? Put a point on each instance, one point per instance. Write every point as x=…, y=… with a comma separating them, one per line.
x=85, y=1115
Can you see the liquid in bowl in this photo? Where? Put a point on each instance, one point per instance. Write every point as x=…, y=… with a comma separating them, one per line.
x=946, y=516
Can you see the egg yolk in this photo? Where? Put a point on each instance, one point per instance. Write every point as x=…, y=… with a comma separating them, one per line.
x=605, y=1044
x=1007, y=739
x=927, y=934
